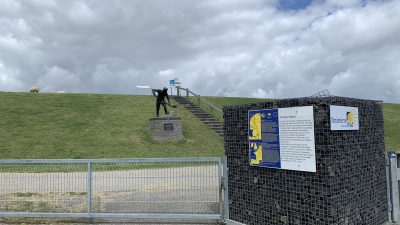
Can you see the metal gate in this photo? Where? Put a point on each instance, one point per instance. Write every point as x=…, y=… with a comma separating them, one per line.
x=160, y=189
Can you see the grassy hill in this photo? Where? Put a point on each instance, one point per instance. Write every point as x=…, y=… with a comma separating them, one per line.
x=391, y=114
x=114, y=126
x=93, y=126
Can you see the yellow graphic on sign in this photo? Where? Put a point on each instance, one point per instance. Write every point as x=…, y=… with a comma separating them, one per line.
x=255, y=127
x=257, y=151
x=351, y=117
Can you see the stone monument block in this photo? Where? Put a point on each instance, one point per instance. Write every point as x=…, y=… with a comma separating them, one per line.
x=166, y=128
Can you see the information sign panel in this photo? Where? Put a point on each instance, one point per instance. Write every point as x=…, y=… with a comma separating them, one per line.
x=282, y=138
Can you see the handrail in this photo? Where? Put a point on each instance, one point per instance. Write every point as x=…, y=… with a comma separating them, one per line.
x=199, y=98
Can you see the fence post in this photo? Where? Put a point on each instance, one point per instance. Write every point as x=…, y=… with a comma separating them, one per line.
x=221, y=187
x=178, y=93
x=187, y=93
x=394, y=188
x=89, y=188
x=225, y=187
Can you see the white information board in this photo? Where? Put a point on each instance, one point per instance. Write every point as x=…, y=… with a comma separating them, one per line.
x=283, y=138
x=344, y=118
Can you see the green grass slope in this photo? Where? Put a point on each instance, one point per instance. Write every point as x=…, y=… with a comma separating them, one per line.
x=391, y=115
x=114, y=126
x=93, y=126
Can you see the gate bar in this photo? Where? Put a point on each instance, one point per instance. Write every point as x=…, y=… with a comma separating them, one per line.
x=394, y=187
x=225, y=187
x=89, y=188
x=113, y=215
x=124, y=160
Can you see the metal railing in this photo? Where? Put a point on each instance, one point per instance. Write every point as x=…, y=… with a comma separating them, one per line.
x=393, y=177
x=200, y=99
x=168, y=188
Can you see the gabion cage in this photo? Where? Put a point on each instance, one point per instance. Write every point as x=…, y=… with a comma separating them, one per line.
x=349, y=186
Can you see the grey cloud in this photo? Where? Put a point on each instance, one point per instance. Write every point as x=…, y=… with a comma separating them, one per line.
x=215, y=47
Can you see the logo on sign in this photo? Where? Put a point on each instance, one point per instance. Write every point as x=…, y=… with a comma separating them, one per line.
x=350, y=118
x=347, y=120
x=344, y=118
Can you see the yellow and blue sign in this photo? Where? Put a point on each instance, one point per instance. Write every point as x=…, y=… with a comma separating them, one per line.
x=264, y=151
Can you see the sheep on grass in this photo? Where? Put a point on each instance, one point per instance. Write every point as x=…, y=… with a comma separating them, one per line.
x=34, y=89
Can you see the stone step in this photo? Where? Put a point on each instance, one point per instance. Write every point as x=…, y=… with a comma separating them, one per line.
x=202, y=115
x=192, y=108
x=209, y=119
x=212, y=122
x=198, y=112
x=218, y=130
x=189, y=105
x=205, y=118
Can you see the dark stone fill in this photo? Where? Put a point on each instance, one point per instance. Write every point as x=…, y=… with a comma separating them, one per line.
x=348, y=188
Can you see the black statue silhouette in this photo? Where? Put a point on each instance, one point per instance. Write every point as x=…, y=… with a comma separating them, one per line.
x=161, y=94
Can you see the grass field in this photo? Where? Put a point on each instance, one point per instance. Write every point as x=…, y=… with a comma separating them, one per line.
x=114, y=126
x=391, y=114
x=93, y=126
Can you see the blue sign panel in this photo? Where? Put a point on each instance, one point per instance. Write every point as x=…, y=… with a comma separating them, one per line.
x=392, y=155
x=264, y=138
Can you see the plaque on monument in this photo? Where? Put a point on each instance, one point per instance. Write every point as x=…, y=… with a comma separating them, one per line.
x=168, y=127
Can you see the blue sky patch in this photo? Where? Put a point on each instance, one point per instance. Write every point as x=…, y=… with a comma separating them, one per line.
x=293, y=4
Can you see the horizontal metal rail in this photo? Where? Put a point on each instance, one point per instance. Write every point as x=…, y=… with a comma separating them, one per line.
x=84, y=161
x=113, y=215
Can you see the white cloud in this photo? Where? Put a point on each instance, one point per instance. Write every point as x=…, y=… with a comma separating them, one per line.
x=223, y=47
x=167, y=73
x=8, y=82
x=342, y=3
x=56, y=79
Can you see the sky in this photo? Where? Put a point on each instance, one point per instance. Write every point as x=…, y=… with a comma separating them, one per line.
x=252, y=48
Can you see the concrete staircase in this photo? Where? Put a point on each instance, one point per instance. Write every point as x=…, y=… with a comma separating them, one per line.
x=204, y=116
